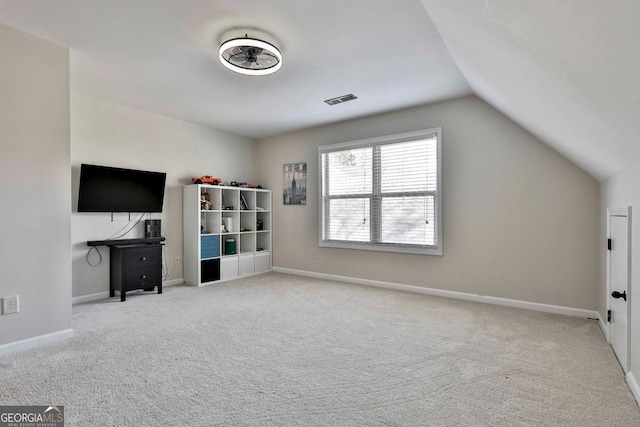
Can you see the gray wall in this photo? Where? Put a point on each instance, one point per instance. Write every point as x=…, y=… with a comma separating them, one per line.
x=520, y=221
x=621, y=191
x=36, y=185
x=114, y=135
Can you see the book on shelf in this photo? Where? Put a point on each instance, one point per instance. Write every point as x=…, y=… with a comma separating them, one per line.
x=243, y=203
x=228, y=224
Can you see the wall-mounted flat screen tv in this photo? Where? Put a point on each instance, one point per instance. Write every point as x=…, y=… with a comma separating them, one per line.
x=108, y=189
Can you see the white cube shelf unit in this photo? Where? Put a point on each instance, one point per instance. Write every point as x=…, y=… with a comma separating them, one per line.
x=230, y=239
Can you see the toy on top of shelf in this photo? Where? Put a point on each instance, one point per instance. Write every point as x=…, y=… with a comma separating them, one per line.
x=244, y=185
x=206, y=179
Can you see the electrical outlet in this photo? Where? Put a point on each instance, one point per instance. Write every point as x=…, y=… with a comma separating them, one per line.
x=10, y=305
x=176, y=260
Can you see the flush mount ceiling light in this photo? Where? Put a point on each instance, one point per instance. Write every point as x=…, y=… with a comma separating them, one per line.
x=250, y=56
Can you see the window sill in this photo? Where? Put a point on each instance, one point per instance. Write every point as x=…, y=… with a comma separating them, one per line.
x=437, y=251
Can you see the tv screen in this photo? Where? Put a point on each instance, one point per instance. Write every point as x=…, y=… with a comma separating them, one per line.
x=107, y=189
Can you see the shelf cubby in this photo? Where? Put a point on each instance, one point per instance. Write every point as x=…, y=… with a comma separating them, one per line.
x=263, y=241
x=265, y=217
x=231, y=199
x=247, y=221
x=247, y=243
x=263, y=200
x=210, y=222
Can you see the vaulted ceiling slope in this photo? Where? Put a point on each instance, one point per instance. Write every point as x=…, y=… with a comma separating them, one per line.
x=568, y=71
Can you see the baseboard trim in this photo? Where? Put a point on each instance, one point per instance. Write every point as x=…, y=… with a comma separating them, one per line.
x=603, y=326
x=546, y=308
x=174, y=282
x=633, y=385
x=33, y=342
x=90, y=297
x=103, y=295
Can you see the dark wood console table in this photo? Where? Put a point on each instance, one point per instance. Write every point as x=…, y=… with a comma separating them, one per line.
x=135, y=264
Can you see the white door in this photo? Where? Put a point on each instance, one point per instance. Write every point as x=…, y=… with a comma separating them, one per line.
x=619, y=287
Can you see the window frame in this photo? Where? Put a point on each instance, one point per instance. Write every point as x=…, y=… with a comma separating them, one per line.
x=375, y=198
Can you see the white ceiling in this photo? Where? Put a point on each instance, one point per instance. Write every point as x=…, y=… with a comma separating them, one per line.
x=161, y=56
x=568, y=71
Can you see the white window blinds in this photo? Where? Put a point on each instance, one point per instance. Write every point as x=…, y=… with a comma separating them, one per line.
x=382, y=193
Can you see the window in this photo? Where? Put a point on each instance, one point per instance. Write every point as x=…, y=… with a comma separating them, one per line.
x=383, y=193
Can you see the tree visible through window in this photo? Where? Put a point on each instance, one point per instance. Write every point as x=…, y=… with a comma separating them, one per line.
x=382, y=193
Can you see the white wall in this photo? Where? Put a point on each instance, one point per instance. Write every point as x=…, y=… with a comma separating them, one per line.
x=622, y=190
x=114, y=135
x=36, y=185
x=520, y=221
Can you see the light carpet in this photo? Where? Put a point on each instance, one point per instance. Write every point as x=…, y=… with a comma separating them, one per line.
x=279, y=350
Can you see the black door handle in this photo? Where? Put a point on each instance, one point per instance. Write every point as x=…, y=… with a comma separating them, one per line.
x=617, y=294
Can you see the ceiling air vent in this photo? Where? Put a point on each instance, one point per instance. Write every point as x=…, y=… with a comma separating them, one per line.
x=341, y=99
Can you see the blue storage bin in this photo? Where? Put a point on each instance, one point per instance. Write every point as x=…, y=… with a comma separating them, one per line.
x=209, y=246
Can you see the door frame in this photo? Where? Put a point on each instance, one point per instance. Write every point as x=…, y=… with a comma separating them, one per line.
x=620, y=212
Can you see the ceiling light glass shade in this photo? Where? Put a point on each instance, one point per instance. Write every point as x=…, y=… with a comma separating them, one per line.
x=250, y=56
